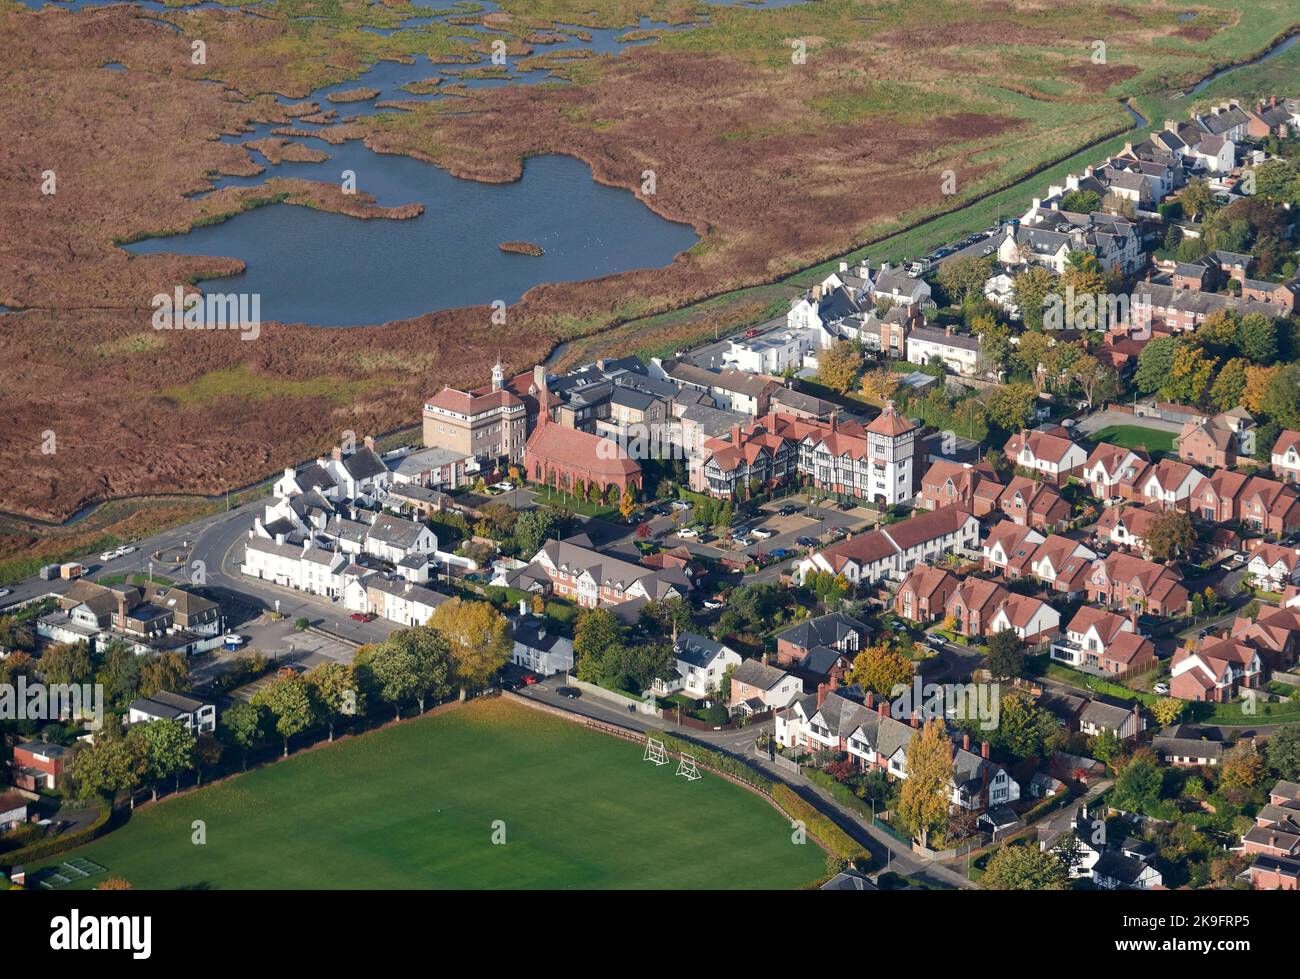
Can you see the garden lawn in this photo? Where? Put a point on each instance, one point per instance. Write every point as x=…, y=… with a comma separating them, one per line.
x=413, y=806
x=1135, y=436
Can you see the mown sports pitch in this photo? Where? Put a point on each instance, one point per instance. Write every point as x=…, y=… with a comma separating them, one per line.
x=413, y=806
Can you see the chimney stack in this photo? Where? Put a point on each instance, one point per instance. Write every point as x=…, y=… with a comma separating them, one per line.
x=735, y=434
x=369, y=442
x=914, y=720
x=821, y=693
x=869, y=701
x=984, y=749
x=336, y=454
x=965, y=741
x=121, y=610
x=882, y=709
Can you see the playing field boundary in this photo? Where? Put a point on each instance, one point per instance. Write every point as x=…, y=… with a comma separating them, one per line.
x=766, y=794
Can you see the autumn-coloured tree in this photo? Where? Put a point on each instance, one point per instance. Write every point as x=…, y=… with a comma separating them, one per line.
x=880, y=669
x=1167, y=710
x=926, y=795
x=478, y=640
x=880, y=385
x=838, y=366
x=626, y=503
x=1170, y=535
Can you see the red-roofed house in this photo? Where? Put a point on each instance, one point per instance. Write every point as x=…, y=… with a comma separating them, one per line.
x=1105, y=468
x=1125, y=580
x=1032, y=619
x=973, y=604
x=567, y=459
x=1274, y=566
x=975, y=487
x=1008, y=547
x=924, y=593
x=1034, y=503
x=1052, y=454
x=1126, y=526
x=1215, y=671
x=1285, y=456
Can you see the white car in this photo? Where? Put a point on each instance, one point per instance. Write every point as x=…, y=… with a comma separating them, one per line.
x=110, y=555
x=6, y=591
x=502, y=487
x=762, y=533
x=681, y=505
x=742, y=540
x=125, y=550
x=713, y=604
x=1161, y=688
x=688, y=533
x=232, y=639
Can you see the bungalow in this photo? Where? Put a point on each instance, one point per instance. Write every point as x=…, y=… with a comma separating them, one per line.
x=757, y=687
x=924, y=593
x=701, y=664
x=1178, y=748
x=1050, y=453
x=1123, y=722
x=1215, y=670
x=13, y=810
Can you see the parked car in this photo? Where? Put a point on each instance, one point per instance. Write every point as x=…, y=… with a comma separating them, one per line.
x=751, y=333
x=362, y=616
x=6, y=591
x=688, y=533
x=109, y=556
x=505, y=486
x=934, y=639
x=529, y=680
x=569, y=693
x=232, y=640
x=778, y=554
x=125, y=549
x=762, y=533
x=742, y=540
x=707, y=538
x=713, y=604
x=1161, y=688
x=789, y=510
x=806, y=541
x=681, y=505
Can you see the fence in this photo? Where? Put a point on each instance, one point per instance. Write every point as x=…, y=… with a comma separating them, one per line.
x=777, y=760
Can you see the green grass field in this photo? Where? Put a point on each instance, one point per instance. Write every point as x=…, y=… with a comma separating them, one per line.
x=1135, y=436
x=413, y=806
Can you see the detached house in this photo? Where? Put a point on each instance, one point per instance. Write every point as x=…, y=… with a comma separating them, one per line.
x=1126, y=526
x=1219, y=441
x=1103, y=715
x=834, y=631
x=924, y=593
x=1008, y=547
x=701, y=664
x=973, y=487
x=1274, y=566
x=1285, y=456
x=1216, y=670
x=1035, y=504
x=1051, y=454
x=1105, y=468
x=1102, y=642
x=1125, y=580
x=1031, y=619
x=757, y=687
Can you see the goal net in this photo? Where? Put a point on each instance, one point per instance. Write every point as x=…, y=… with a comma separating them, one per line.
x=686, y=767
x=654, y=751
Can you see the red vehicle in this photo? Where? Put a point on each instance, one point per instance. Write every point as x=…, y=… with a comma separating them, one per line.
x=529, y=680
x=363, y=616
x=751, y=332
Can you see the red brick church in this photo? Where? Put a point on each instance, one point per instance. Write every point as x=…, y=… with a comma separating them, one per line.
x=564, y=458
